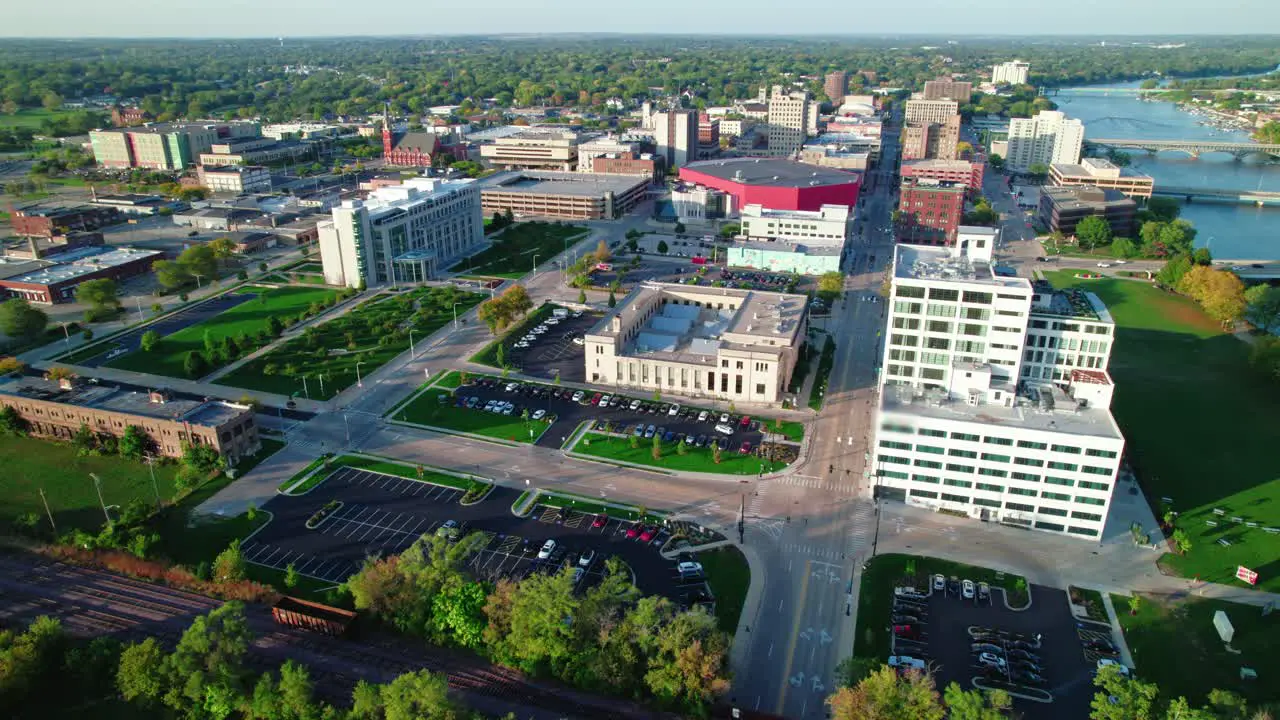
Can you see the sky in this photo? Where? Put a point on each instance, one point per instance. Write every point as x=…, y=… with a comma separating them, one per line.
x=952, y=18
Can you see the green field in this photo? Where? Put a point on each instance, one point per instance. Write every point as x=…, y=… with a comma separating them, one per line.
x=729, y=577
x=695, y=460
x=1175, y=645
x=363, y=340
x=167, y=357
x=1200, y=427
x=31, y=464
x=427, y=409
x=29, y=117
x=512, y=253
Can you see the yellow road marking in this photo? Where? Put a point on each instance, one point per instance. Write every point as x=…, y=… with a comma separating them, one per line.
x=795, y=635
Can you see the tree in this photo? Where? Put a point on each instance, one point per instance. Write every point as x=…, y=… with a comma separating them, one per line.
x=1171, y=274
x=195, y=365
x=1038, y=170
x=229, y=566
x=417, y=695
x=679, y=228
x=715, y=453
x=51, y=101
x=12, y=423
x=223, y=248
x=1262, y=307
x=206, y=669
x=539, y=638
x=1122, y=698
x=1164, y=208
x=140, y=673
x=101, y=294
x=976, y=704
x=613, y=299
x=149, y=340
x=657, y=447
x=831, y=283
x=602, y=253
x=996, y=161
x=884, y=695
x=1219, y=292
x=458, y=612
x=582, y=296
x=1093, y=231
x=662, y=247
x=19, y=320
x=134, y=442
x=1181, y=541
x=199, y=260
x=291, y=576
x=1265, y=356
x=1123, y=248
x=171, y=275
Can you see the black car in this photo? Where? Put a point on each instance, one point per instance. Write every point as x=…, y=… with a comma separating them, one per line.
x=1017, y=654
x=953, y=587
x=701, y=441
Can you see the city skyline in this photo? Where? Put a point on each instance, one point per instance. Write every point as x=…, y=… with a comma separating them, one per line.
x=82, y=18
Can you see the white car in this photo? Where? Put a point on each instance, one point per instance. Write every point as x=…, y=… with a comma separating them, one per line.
x=579, y=341
x=908, y=592
x=548, y=547
x=939, y=583
x=538, y=414
x=985, y=658
x=967, y=589
x=586, y=558
x=687, y=569
x=675, y=410
x=604, y=400
x=1121, y=667
x=577, y=397
x=724, y=429
x=539, y=330
x=635, y=404
x=488, y=407
x=511, y=387
x=724, y=418
x=1121, y=262
x=551, y=321
x=577, y=314
x=522, y=345
x=702, y=416
x=906, y=663
x=1104, y=265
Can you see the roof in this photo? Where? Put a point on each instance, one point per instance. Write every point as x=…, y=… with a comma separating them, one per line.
x=546, y=182
x=1056, y=413
x=205, y=413
x=416, y=141
x=233, y=169
x=1072, y=303
x=1080, y=197
x=772, y=172
x=76, y=263
x=934, y=263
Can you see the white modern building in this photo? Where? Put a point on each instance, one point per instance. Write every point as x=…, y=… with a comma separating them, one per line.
x=930, y=111
x=1049, y=137
x=971, y=419
x=720, y=343
x=602, y=147
x=829, y=225
x=235, y=178
x=675, y=136
x=401, y=234
x=533, y=149
x=1014, y=73
x=793, y=116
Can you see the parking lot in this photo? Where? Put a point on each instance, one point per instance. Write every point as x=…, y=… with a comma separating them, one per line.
x=553, y=353
x=559, y=401
x=384, y=514
x=1035, y=654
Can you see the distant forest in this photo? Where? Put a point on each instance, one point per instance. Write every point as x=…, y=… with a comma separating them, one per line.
x=314, y=78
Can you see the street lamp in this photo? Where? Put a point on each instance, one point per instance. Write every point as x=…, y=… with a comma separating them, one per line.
x=455, y=315
x=150, y=461
x=535, y=264
x=97, y=484
x=359, y=382
x=410, y=343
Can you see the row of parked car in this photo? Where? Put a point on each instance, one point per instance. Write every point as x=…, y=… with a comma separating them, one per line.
x=538, y=330
x=698, y=441
x=500, y=407
x=1007, y=656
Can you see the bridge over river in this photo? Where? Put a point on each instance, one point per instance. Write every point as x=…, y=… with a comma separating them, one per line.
x=1194, y=148
x=1226, y=195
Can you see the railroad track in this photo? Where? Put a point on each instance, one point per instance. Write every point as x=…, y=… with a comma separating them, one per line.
x=92, y=603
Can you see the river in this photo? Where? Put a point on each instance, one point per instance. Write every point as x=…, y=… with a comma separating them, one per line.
x=1236, y=232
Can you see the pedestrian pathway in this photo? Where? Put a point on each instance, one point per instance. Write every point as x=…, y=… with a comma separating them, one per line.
x=1117, y=632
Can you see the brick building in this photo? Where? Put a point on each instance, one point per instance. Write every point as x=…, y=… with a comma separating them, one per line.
x=931, y=141
x=961, y=171
x=1062, y=208
x=51, y=220
x=645, y=165
x=945, y=89
x=931, y=211
x=58, y=409
x=57, y=283
x=836, y=86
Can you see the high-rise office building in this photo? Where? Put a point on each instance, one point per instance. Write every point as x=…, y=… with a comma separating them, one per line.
x=1049, y=137
x=792, y=118
x=1014, y=73
x=930, y=111
x=931, y=141
x=675, y=133
x=931, y=211
x=836, y=86
x=944, y=89
x=994, y=400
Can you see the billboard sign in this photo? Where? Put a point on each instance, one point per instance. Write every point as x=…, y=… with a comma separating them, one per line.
x=1247, y=575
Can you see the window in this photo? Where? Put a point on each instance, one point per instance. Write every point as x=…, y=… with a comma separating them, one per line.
x=957, y=483
x=992, y=472
x=942, y=310
x=902, y=323
x=1054, y=496
x=980, y=298
x=963, y=453
x=1019, y=507
x=931, y=373
x=1080, y=515
x=1095, y=470
x=997, y=440
x=908, y=291
x=938, y=326
x=990, y=488
x=1056, y=512
x=891, y=427
x=895, y=445
x=1051, y=480
x=1082, y=531
x=893, y=474
x=1065, y=449
x=1069, y=467
x=945, y=294
x=965, y=436
x=925, y=479
x=932, y=433
x=1090, y=501
x=1089, y=485
x=901, y=370
x=915, y=492
x=905, y=355
x=1093, y=452
x=995, y=458
x=928, y=464
x=934, y=343
x=1042, y=525
x=930, y=449
x=934, y=358
x=907, y=340
x=1004, y=296
x=1031, y=445
x=959, y=468
x=955, y=498
x=986, y=502
x=904, y=306
x=973, y=330
x=1022, y=491
x=976, y=314
x=1028, y=461
x=895, y=459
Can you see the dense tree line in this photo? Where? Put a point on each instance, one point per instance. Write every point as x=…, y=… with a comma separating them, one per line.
x=307, y=78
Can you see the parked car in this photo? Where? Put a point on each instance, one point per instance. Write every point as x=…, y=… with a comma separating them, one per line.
x=746, y=422
x=548, y=547
x=595, y=399
x=953, y=586
x=724, y=418
x=905, y=620
x=450, y=530
x=1119, y=666
x=991, y=659
x=745, y=447
x=906, y=662
x=647, y=534
x=600, y=521
x=984, y=593
x=675, y=410
x=639, y=430
x=908, y=592
x=648, y=432
x=633, y=532
x=907, y=631
x=586, y=558
x=980, y=647
x=689, y=570
x=724, y=429
x=939, y=583
x=634, y=405
x=701, y=441
x=1104, y=265
x=577, y=397
x=702, y=416
x=968, y=589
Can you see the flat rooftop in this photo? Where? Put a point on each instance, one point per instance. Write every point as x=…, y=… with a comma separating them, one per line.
x=11, y=266
x=205, y=413
x=1072, y=303
x=1107, y=168
x=73, y=264
x=545, y=182
x=776, y=173
x=233, y=169
x=833, y=247
x=938, y=264
x=1057, y=412
x=1084, y=197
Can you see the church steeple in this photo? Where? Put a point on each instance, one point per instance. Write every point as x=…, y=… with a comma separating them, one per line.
x=386, y=131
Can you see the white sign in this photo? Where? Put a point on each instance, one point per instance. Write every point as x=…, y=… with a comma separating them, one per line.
x=1223, y=625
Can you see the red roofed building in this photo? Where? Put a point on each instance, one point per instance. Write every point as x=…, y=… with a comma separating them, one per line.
x=409, y=149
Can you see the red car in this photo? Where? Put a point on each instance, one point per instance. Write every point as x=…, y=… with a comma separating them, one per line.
x=595, y=399
x=907, y=631
x=633, y=532
x=746, y=422
x=648, y=534
x=600, y=521
x=746, y=448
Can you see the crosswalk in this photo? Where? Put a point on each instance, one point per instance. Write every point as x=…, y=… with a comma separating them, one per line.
x=862, y=527
x=843, y=486
x=812, y=551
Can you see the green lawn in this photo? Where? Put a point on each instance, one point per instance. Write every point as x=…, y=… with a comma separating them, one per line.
x=828, y=358
x=791, y=429
x=593, y=507
x=362, y=340
x=315, y=479
x=30, y=117
x=427, y=409
x=1200, y=427
x=167, y=357
x=885, y=572
x=31, y=464
x=695, y=460
x=1175, y=645
x=729, y=577
x=405, y=470
x=512, y=253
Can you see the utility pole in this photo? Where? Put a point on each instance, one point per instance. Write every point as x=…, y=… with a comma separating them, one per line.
x=97, y=484
x=304, y=387
x=742, y=520
x=48, y=512
x=150, y=460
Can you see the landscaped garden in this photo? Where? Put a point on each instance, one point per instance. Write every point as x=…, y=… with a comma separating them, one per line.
x=1200, y=428
x=248, y=324
x=639, y=451
x=1175, y=645
x=334, y=355
x=513, y=252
